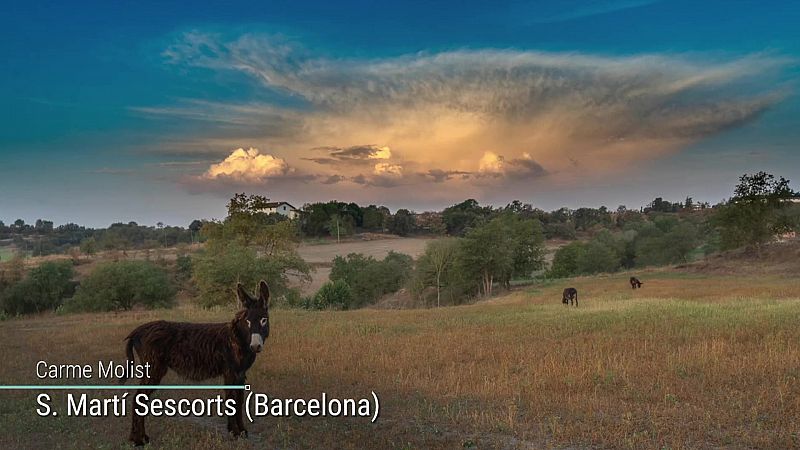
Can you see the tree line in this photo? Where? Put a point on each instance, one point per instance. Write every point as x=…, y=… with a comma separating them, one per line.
x=43, y=238
x=484, y=249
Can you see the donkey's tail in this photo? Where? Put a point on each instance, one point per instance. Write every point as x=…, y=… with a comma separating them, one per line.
x=129, y=353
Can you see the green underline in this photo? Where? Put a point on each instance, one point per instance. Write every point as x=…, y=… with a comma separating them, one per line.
x=118, y=387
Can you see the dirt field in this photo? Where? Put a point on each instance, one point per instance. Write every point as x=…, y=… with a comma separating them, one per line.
x=689, y=361
x=324, y=253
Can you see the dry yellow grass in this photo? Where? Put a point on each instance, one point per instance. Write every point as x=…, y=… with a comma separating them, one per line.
x=686, y=362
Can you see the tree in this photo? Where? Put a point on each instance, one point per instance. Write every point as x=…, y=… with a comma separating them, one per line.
x=442, y=254
x=339, y=226
x=465, y=215
x=89, y=246
x=195, y=228
x=505, y=247
x=217, y=270
x=486, y=254
x=528, y=244
x=278, y=239
x=247, y=219
x=43, y=226
x=661, y=205
x=753, y=215
x=160, y=226
x=403, y=223
x=249, y=245
x=373, y=218
x=585, y=218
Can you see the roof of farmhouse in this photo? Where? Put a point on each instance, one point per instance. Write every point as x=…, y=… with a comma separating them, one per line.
x=276, y=204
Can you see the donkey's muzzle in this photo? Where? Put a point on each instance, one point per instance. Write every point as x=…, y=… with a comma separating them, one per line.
x=256, y=342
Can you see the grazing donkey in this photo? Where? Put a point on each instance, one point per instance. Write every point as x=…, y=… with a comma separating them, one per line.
x=199, y=351
x=570, y=294
x=635, y=283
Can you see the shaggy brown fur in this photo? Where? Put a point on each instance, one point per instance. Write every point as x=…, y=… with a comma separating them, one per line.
x=570, y=295
x=199, y=351
x=635, y=283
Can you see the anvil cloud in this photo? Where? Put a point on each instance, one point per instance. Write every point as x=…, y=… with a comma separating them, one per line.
x=467, y=121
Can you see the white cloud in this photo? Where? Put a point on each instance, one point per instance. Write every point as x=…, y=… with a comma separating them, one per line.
x=248, y=166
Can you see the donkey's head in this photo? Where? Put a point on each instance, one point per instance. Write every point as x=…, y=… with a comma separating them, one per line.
x=256, y=315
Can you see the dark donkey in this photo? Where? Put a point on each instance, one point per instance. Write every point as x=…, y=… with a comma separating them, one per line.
x=199, y=351
x=570, y=294
x=635, y=283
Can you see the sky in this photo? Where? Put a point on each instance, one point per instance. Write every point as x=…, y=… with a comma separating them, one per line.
x=159, y=112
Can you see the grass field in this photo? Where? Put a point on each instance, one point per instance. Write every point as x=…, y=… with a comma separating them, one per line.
x=689, y=361
x=6, y=253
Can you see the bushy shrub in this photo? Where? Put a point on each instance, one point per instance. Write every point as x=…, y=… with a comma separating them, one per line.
x=123, y=285
x=560, y=230
x=291, y=299
x=604, y=253
x=394, y=270
x=44, y=288
x=565, y=261
x=369, y=279
x=598, y=257
x=665, y=242
x=332, y=295
x=183, y=267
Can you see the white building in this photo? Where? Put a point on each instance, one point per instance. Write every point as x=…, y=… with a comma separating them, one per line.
x=283, y=208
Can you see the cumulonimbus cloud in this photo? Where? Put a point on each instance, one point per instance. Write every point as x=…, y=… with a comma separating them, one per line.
x=536, y=112
x=248, y=166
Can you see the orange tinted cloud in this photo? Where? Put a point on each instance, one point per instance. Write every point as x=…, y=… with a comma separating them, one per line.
x=249, y=166
x=454, y=118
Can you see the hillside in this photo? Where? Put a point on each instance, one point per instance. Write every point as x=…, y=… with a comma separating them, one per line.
x=779, y=258
x=690, y=360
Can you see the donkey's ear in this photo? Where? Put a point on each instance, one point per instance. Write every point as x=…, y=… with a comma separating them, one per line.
x=263, y=291
x=244, y=297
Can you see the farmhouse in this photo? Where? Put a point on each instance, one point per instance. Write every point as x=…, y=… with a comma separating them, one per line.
x=283, y=208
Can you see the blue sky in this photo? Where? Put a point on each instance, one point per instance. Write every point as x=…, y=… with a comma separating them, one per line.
x=135, y=111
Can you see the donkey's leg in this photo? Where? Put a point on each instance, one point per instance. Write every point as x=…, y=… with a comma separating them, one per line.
x=138, y=435
x=240, y=406
x=233, y=421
